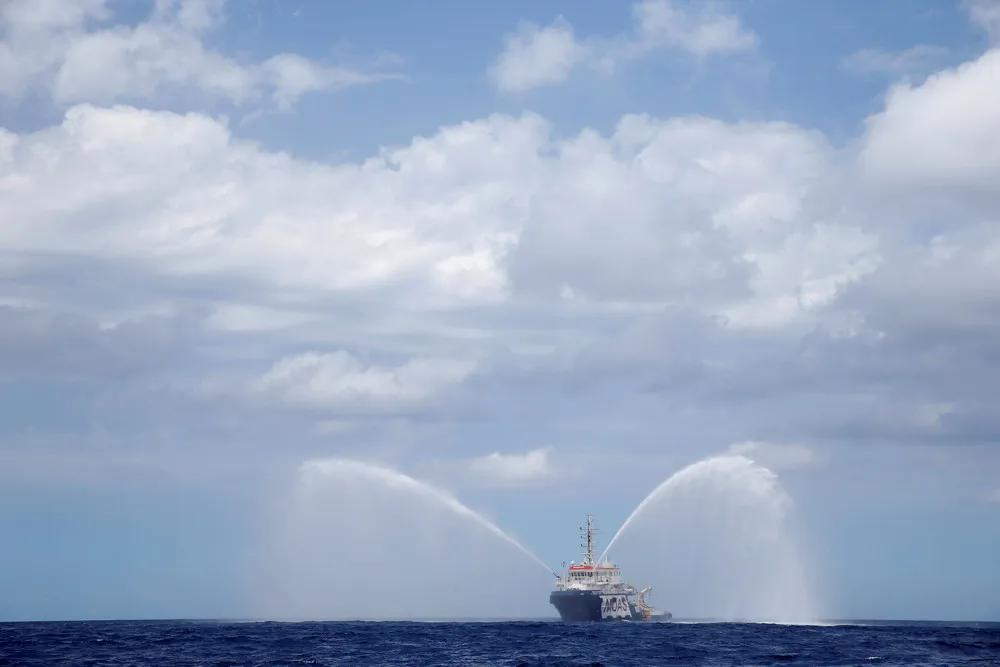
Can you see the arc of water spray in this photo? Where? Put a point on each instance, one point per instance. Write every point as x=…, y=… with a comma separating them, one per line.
x=642, y=505
x=769, y=583
x=663, y=485
x=396, y=478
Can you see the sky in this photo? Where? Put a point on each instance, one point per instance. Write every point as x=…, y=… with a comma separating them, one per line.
x=539, y=256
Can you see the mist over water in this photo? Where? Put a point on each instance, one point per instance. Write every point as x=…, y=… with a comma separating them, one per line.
x=715, y=540
x=358, y=541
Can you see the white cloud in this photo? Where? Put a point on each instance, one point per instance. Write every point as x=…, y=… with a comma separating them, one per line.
x=498, y=469
x=493, y=214
x=701, y=32
x=776, y=455
x=917, y=60
x=178, y=191
x=728, y=261
x=930, y=161
x=534, y=56
x=479, y=213
x=985, y=14
x=44, y=14
x=57, y=46
x=339, y=382
x=292, y=76
x=941, y=135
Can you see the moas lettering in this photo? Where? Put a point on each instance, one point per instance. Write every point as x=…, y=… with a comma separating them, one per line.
x=615, y=605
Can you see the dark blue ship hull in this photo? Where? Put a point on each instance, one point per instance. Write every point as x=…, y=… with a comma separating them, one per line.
x=592, y=606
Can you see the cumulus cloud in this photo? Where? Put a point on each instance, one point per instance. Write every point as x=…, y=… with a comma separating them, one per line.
x=986, y=15
x=713, y=264
x=728, y=221
x=776, y=455
x=478, y=214
x=71, y=50
x=961, y=154
x=514, y=469
x=340, y=381
x=915, y=61
x=534, y=56
x=701, y=32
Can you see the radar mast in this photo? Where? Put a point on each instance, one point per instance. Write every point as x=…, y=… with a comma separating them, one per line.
x=589, y=534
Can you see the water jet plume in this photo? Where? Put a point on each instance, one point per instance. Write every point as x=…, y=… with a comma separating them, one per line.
x=715, y=540
x=359, y=541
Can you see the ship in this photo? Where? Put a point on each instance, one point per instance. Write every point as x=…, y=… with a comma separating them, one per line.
x=591, y=591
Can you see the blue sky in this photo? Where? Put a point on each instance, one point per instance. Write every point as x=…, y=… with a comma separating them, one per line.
x=541, y=255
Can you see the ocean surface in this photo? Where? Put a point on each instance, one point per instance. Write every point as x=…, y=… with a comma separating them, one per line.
x=550, y=643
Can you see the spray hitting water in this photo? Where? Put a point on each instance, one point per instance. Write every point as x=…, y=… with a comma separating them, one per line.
x=361, y=541
x=714, y=541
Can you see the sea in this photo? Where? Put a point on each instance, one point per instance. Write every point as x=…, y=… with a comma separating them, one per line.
x=520, y=643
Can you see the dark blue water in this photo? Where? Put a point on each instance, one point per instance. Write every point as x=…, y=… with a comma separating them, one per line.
x=177, y=643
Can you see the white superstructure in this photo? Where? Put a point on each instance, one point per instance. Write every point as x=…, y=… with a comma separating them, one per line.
x=603, y=577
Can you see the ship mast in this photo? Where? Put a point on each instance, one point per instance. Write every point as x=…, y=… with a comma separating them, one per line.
x=591, y=542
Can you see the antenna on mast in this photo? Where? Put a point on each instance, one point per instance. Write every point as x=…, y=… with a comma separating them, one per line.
x=591, y=541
